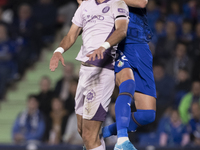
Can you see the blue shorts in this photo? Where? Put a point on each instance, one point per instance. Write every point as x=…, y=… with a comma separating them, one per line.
x=138, y=57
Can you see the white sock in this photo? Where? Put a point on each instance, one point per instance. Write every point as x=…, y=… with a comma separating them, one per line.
x=98, y=148
x=103, y=143
x=122, y=140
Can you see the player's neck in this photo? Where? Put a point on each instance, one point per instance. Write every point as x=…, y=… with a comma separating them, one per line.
x=100, y=1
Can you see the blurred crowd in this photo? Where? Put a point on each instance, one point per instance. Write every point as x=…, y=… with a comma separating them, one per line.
x=50, y=117
x=26, y=27
x=176, y=50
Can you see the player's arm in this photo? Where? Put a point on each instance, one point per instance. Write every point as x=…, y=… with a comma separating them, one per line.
x=136, y=3
x=119, y=34
x=65, y=44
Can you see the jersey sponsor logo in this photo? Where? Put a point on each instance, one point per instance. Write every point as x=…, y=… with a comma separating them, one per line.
x=90, y=96
x=93, y=18
x=121, y=10
x=120, y=63
x=106, y=9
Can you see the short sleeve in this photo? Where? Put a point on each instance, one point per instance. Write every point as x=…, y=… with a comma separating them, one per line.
x=120, y=9
x=77, y=19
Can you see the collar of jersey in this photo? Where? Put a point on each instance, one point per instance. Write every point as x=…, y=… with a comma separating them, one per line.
x=102, y=2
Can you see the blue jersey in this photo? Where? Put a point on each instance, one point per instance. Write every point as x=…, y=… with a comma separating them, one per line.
x=135, y=52
x=138, y=28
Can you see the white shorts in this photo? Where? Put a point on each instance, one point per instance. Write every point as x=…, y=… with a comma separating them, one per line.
x=94, y=91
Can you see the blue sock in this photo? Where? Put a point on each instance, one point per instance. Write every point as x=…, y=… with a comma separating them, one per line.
x=122, y=107
x=110, y=130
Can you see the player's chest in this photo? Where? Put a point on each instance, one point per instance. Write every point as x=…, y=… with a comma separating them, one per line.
x=98, y=13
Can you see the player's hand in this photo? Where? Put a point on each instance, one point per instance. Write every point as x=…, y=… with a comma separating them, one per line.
x=54, y=61
x=97, y=53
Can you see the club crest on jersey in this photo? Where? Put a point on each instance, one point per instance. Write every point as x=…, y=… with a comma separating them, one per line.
x=90, y=96
x=106, y=9
x=120, y=64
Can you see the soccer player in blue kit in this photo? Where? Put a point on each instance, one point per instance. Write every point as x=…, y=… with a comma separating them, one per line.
x=134, y=76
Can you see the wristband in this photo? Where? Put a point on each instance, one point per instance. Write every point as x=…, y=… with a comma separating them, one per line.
x=106, y=45
x=59, y=49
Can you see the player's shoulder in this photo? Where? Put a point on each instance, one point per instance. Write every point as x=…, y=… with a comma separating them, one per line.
x=118, y=2
x=85, y=3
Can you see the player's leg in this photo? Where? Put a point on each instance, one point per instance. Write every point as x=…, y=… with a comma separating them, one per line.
x=145, y=114
x=146, y=102
x=126, y=83
x=146, y=111
x=90, y=134
x=145, y=97
x=98, y=89
x=80, y=128
x=79, y=124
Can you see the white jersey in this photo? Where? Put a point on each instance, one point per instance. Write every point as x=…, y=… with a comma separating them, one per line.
x=98, y=23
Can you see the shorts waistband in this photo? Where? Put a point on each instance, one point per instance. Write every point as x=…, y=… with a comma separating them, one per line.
x=87, y=64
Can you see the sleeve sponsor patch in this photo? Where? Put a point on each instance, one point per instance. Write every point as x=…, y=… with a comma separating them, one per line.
x=121, y=10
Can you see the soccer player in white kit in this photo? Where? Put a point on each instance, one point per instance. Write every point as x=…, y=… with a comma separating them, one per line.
x=104, y=24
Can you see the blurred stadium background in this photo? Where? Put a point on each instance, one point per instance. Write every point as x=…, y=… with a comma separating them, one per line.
x=30, y=30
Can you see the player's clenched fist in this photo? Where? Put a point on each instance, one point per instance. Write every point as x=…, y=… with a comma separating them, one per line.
x=57, y=56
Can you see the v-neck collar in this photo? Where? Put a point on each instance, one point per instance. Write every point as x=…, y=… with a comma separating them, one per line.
x=102, y=2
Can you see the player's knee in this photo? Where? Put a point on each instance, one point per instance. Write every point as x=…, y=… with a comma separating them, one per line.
x=88, y=138
x=146, y=116
x=127, y=86
x=150, y=116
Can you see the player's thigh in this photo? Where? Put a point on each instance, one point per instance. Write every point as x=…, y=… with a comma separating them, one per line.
x=79, y=123
x=123, y=75
x=145, y=102
x=98, y=93
x=123, y=69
